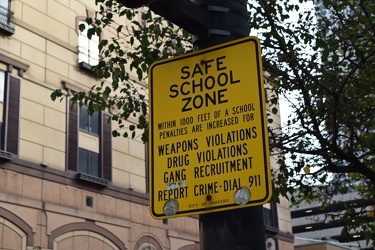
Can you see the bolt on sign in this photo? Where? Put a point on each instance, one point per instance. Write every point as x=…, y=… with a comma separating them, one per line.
x=208, y=146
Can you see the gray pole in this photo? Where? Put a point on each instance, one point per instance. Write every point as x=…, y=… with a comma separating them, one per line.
x=228, y=21
x=241, y=229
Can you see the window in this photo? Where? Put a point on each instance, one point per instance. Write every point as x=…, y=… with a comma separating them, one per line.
x=147, y=243
x=270, y=216
x=6, y=18
x=147, y=246
x=10, y=86
x=9, y=110
x=2, y=86
x=88, y=123
x=90, y=164
x=267, y=216
x=88, y=51
x=88, y=160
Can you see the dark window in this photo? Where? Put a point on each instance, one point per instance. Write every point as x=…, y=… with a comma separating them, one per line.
x=89, y=123
x=10, y=86
x=10, y=106
x=6, y=18
x=81, y=160
x=2, y=86
x=270, y=216
x=267, y=215
x=89, y=162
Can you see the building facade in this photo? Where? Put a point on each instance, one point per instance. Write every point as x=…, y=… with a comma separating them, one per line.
x=311, y=222
x=65, y=182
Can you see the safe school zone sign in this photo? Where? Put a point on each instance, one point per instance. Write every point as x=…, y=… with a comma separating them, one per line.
x=208, y=148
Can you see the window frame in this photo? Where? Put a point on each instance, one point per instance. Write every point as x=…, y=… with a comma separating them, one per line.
x=85, y=64
x=105, y=139
x=89, y=121
x=6, y=19
x=87, y=129
x=11, y=114
x=9, y=142
x=89, y=170
x=270, y=215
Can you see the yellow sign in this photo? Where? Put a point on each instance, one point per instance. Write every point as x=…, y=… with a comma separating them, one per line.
x=208, y=145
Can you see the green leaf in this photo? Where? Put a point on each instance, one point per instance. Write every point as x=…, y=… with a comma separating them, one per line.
x=55, y=94
x=82, y=27
x=139, y=73
x=106, y=93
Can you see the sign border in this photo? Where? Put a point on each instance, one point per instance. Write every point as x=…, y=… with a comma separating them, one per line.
x=264, y=129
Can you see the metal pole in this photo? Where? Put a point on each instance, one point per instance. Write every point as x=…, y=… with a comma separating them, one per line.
x=241, y=229
x=238, y=229
x=228, y=21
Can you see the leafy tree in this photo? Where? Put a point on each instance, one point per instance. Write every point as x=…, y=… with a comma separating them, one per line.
x=323, y=64
x=320, y=59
